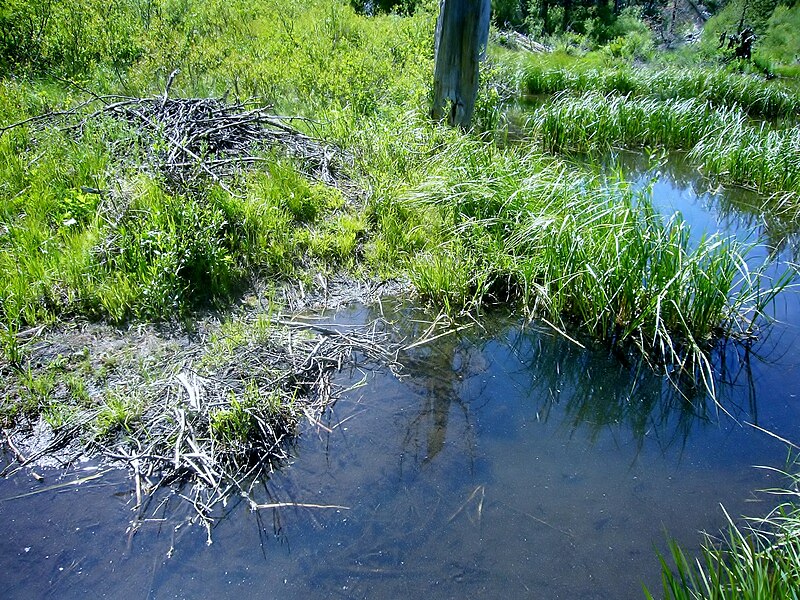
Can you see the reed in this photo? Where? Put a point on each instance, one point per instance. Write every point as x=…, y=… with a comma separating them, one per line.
x=757, y=157
x=595, y=122
x=756, y=562
x=756, y=97
x=586, y=255
x=722, y=141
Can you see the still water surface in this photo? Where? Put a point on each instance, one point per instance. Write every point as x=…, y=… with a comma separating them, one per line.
x=506, y=462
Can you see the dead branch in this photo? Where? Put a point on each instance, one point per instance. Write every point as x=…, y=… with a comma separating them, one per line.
x=188, y=140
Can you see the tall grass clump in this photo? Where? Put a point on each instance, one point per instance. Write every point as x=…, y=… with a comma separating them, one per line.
x=594, y=122
x=723, y=142
x=766, y=160
x=748, y=92
x=585, y=255
x=761, y=562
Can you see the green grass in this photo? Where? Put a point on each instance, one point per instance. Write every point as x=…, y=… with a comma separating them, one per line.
x=144, y=251
x=489, y=225
x=118, y=413
x=715, y=85
x=469, y=223
x=760, y=562
x=756, y=157
x=593, y=122
x=723, y=142
x=248, y=418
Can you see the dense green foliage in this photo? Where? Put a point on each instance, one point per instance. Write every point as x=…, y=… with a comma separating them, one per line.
x=776, y=24
x=468, y=222
x=721, y=88
x=141, y=250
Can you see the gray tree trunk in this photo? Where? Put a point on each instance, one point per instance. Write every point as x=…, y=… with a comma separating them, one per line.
x=462, y=33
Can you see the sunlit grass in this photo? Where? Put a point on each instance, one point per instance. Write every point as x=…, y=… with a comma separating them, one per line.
x=760, y=562
x=588, y=256
x=595, y=122
x=722, y=89
x=723, y=142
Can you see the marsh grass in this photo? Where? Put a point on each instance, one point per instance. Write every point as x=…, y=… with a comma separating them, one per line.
x=722, y=141
x=751, y=94
x=251, y=420
x=760, y=561
x=594, y=122
x=757, y=157
x=589, y=256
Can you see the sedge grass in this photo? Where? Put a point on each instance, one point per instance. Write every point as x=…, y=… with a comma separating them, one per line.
x=595, y=122
x=721, y=141
x=756, y=562
x=722, y=89
x=757, y=157
x=583, y=254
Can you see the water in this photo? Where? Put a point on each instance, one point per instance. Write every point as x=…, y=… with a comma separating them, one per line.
x=507, y=462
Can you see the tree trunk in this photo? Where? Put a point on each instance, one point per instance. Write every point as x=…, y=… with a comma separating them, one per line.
x=462, y=33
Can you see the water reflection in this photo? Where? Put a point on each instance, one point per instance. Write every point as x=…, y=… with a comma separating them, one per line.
x=506, y=462
x=445, y=367
x=587, y=390
x=708, y=207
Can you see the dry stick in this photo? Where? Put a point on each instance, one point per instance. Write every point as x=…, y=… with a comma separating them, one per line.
x=478, y=490
x=170, y=80
x=187, y=151
x=255, y=506
x=18, y=455
x=45, y=116
x=59, y=486
x=215, y=476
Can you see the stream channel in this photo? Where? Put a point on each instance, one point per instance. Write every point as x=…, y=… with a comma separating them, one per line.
x=507, y=462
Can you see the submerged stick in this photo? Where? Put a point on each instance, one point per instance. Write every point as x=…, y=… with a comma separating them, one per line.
x=58, y=486
x=254, y=506
x=19, y=456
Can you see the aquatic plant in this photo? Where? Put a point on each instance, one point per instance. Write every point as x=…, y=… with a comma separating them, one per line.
x=588, y=256
x=595, y=122
x=722, y=141
x=759, y=562
x=758, y=157
x=748, y=92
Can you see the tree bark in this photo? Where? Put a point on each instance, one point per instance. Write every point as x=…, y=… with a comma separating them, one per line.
x=462, y=33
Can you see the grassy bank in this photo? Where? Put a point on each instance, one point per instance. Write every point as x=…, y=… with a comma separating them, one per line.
x=95, y=225
x=722, y=141
x=92, y=227
x=759, y=99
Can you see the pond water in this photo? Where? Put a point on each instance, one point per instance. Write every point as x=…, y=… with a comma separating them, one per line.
x=506, y=462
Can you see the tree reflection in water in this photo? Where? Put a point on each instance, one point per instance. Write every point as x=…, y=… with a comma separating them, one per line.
x=591, y=390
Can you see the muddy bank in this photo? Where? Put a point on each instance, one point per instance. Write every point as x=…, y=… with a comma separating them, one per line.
x=209, y=405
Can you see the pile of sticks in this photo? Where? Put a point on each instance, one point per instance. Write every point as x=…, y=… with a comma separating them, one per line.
x=292, y=367
x=191, y=140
